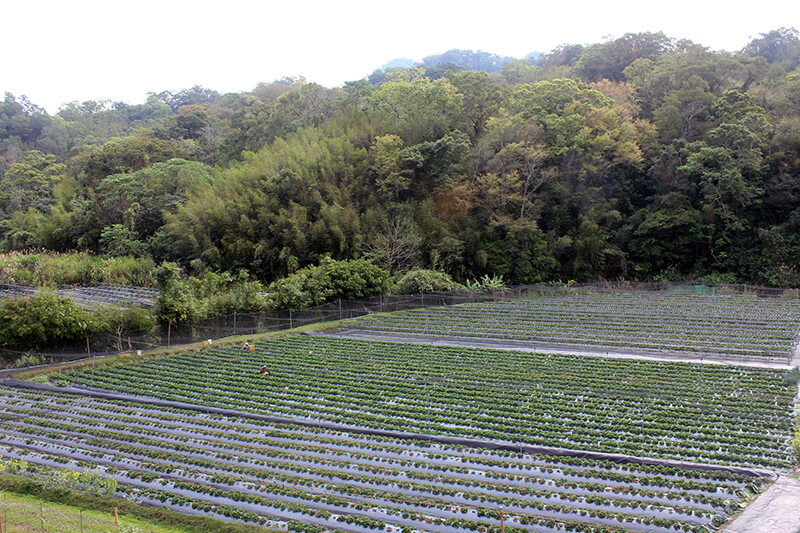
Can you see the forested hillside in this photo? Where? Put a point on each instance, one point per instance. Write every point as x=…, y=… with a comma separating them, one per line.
x=642, y=158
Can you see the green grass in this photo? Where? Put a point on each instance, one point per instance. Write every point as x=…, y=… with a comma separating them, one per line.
x=28, y=513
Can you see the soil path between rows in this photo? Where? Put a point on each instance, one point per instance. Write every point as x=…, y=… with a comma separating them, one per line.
x=442, y=439
x=563, y=349
x=777, y=510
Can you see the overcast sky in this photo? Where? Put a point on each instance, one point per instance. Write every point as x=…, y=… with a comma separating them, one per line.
x=59, y=51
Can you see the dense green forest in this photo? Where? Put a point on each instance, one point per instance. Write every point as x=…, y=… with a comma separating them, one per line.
x=643, y=158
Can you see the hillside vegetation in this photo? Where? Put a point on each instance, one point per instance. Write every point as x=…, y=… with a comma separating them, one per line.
x=643, y=157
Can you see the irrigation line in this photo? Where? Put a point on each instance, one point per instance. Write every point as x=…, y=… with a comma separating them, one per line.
x=402, y=435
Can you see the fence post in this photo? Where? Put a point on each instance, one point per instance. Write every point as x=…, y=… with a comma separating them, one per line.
x=234, y=323
x=381, y=300
x=340, y=308
x=41, y=514
x=290, y=318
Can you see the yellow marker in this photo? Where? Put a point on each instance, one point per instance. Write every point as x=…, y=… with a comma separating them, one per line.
x=124, y=355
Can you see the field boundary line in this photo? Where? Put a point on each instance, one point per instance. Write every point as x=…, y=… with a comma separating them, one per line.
x=440, y=439
x=606, y=352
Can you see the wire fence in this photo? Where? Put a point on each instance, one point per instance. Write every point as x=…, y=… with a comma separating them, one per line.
x=237, y=324
x=19, y=515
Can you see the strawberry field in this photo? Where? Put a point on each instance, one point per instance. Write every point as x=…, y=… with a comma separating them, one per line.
x=315, y=479
x=727, y=325
x=703, y=413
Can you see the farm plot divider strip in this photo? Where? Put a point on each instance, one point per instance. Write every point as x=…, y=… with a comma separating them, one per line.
x=442, y=439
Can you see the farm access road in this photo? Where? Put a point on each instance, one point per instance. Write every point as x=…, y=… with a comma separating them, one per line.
x=774, y=511
x=565, y=349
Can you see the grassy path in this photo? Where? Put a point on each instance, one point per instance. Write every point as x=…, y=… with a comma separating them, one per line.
x=23, y=513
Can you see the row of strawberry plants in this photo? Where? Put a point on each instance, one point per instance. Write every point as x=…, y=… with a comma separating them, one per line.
x=113, y=448
x=289, y=436
x=557, y=525
x=390, y=477
x=708, y=413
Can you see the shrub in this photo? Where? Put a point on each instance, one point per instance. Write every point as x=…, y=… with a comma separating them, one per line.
x=174, y=304
x=419, y=280
x=223, y=294
x=315, y=285
x=187, y=300
x=44, y=319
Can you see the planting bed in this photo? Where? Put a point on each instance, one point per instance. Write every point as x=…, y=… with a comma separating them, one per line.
x=700, y=413
x=312, y=479
x=727, y=325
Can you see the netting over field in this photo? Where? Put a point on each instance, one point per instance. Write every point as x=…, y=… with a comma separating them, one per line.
x=92, y=296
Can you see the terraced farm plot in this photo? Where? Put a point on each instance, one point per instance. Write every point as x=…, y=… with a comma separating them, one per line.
x=92, y=296
x=108, y=294
x=702, y=413
x=309, y=479
x=727, y=325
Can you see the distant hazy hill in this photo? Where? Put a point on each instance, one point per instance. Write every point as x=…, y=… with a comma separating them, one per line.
x=465, y=59
x=400, y=62
x=469, y=60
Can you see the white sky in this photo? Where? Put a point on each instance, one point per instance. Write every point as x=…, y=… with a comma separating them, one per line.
x=64, y=50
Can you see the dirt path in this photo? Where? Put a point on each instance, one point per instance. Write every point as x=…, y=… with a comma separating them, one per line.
x=610, y=352
x=777, y=510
